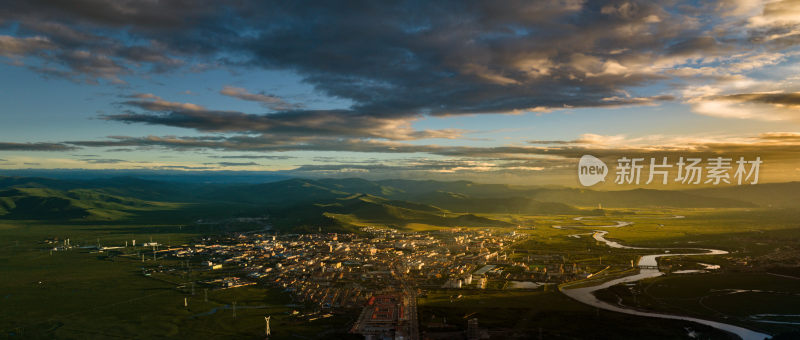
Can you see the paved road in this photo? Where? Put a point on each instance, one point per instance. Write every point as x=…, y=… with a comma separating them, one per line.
x=413, y=327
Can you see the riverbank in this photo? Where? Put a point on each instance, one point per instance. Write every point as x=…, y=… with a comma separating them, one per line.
x=648, y=269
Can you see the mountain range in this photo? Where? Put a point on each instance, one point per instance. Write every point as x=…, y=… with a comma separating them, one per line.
x=353, y=201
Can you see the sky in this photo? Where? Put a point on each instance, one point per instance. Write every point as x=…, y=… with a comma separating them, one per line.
x=500, y=92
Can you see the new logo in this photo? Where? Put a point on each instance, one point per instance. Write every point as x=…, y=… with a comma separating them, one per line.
x=591, y=170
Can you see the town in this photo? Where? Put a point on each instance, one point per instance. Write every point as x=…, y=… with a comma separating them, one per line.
x=377, y=274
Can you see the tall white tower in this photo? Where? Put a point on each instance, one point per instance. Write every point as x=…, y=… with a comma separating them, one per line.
x=267, y=331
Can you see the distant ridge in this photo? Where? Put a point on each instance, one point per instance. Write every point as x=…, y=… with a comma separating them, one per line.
x=350, y=202
x=43, y=204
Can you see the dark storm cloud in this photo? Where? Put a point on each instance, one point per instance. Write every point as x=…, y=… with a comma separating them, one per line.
x=396, y=62
x=292, y=123
x=104, y=160
x=88, y=40
x=14, y=47
x=389, y=58
x=235, y=163
x=788, y=99
x=267, y=100
x=777, y=24
x=456, y=58
x=777, y=145
x=707, y=45
x=183, y=167
x=780, y=136
x=273, y=157
x=440, y=165
x=8, y=146
x=330, y=159
x=256, y=143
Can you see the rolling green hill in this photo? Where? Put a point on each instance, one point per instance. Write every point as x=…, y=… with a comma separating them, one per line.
x=358, y=185
x=304, y=203
x=284, y=193
x=458, y=202
x=413, y=188
x=454, y=196
x=767, y=195
x=475, y=197
x=362, y=209
x=636, y=198
x=87, y=204
x=118, y=186
x=352, y=202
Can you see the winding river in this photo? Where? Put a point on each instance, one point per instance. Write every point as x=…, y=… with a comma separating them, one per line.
x=646, y=266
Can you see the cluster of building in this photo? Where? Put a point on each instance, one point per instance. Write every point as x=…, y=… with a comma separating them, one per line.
x=380, y=269
x=340, y=270
x=388, y=316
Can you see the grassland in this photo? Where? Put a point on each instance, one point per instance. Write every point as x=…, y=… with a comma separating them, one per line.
x=529, y=314
x=755, y=300
x=755, y=287
x=80, y=294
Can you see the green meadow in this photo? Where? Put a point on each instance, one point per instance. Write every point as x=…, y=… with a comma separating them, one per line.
x=83, y=294
x=105, y=295
x=542, y=314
